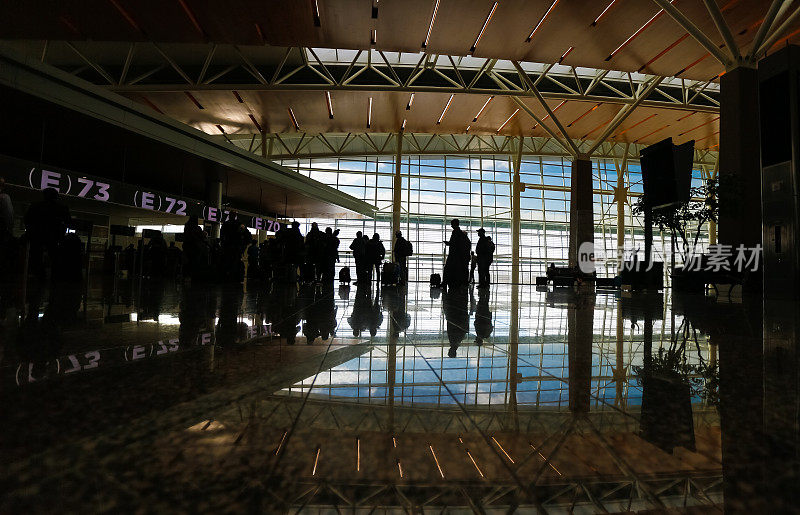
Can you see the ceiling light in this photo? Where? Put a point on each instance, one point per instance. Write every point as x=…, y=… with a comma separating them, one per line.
x=255, y=122
x=548, y=114
x=698, y=126
x=444, y=111
x=533, y=32
x=468, y=128
x=403, y=127
x=194, y=100
x=508, y=120
x=410, y=102
x=430, y=27
x=373, y=36
x=485, y=23
x=596, y=20
x=584, y=114
x=565, y=54
x=650, y=134
x=317, y=21
x=441, y=472
x=639, y=31
x=330, y=104
x=369, y=113
x=294, y=120
x=482, y=108
x=633, y=126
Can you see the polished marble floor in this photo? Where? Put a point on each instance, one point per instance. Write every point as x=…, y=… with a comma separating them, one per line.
x=163, y=397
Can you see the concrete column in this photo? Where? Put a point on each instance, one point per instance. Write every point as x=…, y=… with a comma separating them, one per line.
x=580, y=331
x=517, y=187
x=739, y=159
x=581, y=216
x=215, y=200
x=397, y=189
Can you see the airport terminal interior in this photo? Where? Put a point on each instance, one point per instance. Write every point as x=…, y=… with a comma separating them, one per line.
x=400, y=256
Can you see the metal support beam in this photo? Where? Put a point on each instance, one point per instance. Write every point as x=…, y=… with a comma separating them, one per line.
x=722, y=27
x=772, y=13
x=397, y=189
x=517, y=186
x=623, y=114
x=546, y=107
x=694, y=31
x=778, y=33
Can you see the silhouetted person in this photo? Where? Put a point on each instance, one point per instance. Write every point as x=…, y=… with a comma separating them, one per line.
x=375, y=254
x=174, y=260
x=484, y=252
x=156, y=256
x=358, y=246
x=229, y=329
x=483, y=317
x=196, y=249
x=315, y=253
x=473, y=264
x=46, y=223
x=294, y=252
x=402, y=251
x=234, y=238
x=456, y=268
x=331, y=251
x=456, y=313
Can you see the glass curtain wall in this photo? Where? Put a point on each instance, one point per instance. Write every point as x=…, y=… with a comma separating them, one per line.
x=477, y=190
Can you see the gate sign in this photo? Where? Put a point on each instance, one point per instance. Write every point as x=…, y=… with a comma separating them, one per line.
x=26, y=174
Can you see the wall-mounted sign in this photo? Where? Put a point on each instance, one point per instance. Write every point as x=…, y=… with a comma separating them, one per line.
x=23, y=173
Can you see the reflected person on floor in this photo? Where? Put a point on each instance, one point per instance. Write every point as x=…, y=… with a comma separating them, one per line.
x=483, y=316
x=456, y=313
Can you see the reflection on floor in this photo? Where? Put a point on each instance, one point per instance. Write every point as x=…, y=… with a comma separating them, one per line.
x=155, y=396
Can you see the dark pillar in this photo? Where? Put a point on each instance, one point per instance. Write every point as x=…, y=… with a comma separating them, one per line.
x=580, y=333
x=581, y=218
x=739, y=159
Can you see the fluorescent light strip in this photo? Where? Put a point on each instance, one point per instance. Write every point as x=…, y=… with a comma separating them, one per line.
x=474, y=463
x=373, y=36
x=596, y=20
x=576, y=120
x=330, y=104
x=281, y=443
x=485, y=23
x=317, y=21
x=509, y=119
x=316, y=460
x=639, y=31
x=441, y=472
x=369, y=113
x=410, y=102
x=400, y=468
x=545, y=459
x=482, y=108
x=430, y=27
x=468, y=128
x=565, y=54
x=294, y=119
x=403, y=127
x=446, y=107
x=504, y=451
x=533, y=32
x=358, y=454
x=554, y=112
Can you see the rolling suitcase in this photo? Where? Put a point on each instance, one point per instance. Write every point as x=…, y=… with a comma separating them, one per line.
x=436, y=281
x=344, y=275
